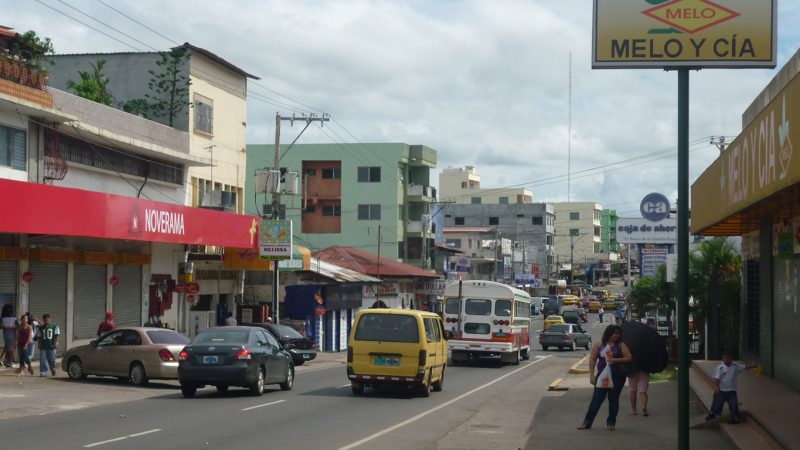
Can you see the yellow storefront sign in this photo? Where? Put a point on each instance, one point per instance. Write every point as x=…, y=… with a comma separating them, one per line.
x=759, y=163
x=688, y=33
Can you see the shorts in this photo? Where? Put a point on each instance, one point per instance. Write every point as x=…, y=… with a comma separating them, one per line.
x=9, y=336
x=639, y=382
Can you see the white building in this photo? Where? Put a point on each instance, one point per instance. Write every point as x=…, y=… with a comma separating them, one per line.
x=463, y=186
x=578, y=236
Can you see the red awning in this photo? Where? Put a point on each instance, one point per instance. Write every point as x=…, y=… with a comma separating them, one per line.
x=31, y=208
x=368, y=263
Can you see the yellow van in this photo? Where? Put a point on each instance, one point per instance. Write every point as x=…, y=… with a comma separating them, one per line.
x=396, y=346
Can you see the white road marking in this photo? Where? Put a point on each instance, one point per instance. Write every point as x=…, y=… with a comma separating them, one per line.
x=443, y=405
x=265, y=404
x=122, y=438
x=345, y=385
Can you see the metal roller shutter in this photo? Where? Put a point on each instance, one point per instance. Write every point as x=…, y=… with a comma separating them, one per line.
x=89, y=300
x=8, y=282
x=128, y=296
x=48, y=294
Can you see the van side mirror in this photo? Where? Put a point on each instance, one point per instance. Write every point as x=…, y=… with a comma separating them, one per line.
x=448, y=335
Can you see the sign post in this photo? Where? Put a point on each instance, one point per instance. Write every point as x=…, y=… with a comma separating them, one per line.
x=684, y=35
x=275, y=244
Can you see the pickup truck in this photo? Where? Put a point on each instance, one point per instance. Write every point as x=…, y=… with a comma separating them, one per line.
x=566, y=335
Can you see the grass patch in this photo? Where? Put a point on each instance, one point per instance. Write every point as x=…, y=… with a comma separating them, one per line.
x=670, y=373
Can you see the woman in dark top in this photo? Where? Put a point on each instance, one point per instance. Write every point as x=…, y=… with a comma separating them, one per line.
x=611, y=350
x=24, y=332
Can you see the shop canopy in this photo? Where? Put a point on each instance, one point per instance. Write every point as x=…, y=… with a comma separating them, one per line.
x=370, y=264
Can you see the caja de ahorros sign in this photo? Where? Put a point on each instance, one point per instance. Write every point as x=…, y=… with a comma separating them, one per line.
x=655, y=226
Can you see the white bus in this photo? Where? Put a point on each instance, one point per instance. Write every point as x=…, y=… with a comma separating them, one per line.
x=484, y=318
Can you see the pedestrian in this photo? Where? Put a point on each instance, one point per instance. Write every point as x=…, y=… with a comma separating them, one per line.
x=107, y=325
x=230, y=321
x=638, y=383
x=23, y=339
x=620, y=314
x=48, y=342
x=725, y=387
x=9, y=325
x=35, y=324
x=606, y=382
x=600, y=313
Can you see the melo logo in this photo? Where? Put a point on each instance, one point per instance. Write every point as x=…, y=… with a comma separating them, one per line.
x=654, y=207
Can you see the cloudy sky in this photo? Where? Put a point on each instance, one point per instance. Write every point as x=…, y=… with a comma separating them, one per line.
x=485, y=83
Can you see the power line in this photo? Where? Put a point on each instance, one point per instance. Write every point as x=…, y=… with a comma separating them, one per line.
x=134, y=20
x=106, y=25
x=88, y=26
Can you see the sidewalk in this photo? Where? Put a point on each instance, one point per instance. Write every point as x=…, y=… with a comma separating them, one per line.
x=560, y=412
x=32, y=395
x=766, y=408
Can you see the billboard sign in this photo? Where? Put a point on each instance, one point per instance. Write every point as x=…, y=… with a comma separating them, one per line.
x=275, y=239
x=643, y=231
x=684, y=33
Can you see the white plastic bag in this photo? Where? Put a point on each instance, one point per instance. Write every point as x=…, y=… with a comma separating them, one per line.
x=604, y=379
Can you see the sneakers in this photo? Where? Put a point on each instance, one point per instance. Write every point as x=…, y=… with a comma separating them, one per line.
x=584, y=426
x=710, y=416
x=43, y=374
x=733, y=421
x=53, y=372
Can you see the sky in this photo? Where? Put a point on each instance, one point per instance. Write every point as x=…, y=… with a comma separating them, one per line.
x=484, y=83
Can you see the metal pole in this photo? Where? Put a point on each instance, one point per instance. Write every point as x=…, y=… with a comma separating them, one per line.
x=683, y=258
x=276, y=204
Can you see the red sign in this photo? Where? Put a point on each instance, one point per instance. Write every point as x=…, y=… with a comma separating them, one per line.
x=180, y=288
x=76, y=212
x=190, y=298
x=27, y=277
x=192, y=288
x=320, y=310
x=113, y=281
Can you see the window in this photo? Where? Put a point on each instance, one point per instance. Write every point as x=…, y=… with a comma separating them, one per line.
x=387, y=328
x=430, y=334
x=494, y=221
x=13, y=146
x=455, y=243
x=478, y=307
x=503, y=200
x=369, y=174
x=331, y=210
x=549, y=239
x=310, y=172
x=574, y=232
x=476, y=200
x=597, y=247
x=332, y=173
x=310, y=208
x=502, y=308
x=203, y=114
x=536, y=220
x=574, y=215
x=597, y=231
x=369, y=212
x=452, y=306
x=459, y=221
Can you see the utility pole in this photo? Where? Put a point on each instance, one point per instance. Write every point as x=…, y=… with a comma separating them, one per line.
x=496, y=253
x=210, y=148
x=276, y=196
x=719, y=142
x=571, y=257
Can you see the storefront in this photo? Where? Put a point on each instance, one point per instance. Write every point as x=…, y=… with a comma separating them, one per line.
x=89, y=252
x=753, y=190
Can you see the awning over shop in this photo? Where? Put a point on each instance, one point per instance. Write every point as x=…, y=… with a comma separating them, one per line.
x=340, y=274
x=31, y=208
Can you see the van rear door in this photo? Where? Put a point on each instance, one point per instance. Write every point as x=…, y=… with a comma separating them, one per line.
x=387, y=344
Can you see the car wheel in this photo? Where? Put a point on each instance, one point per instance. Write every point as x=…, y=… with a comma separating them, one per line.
x=257, y=388
x=75, y=369
x=588, y=344
x=544, y=348
x=438, y=385
x=222, y=388
x=287, y=385
x=358, y=388
x=515, y=361
x=572, y=346
x=137, y=375
x=526, y=354
x=424, y=388
x=188, y=390
x=299, y=362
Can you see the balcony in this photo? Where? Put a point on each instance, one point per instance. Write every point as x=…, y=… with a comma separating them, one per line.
x=23, y=82
x=414, y=229
x=421, y=193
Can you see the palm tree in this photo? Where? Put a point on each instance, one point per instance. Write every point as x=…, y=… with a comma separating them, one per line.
x=653, y=294
x=714, y=281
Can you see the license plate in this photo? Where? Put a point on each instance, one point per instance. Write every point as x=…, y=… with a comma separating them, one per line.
x=384, y=361
x=306, y=356
x=210, y=359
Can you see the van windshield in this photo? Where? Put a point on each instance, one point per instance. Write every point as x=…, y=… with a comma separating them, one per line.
x=387, y=328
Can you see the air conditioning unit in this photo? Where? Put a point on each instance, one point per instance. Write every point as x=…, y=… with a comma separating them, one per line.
x=268, y=181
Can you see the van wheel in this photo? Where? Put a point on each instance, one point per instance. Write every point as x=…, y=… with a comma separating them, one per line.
x=526, y=354
x=544, y=348
x=588, y=344
x=424, y=388
x=358, y=388
x=438, y=385
x=515, y=361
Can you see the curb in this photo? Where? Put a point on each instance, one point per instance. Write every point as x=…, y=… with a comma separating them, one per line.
x=575, y=370
x=555, y=386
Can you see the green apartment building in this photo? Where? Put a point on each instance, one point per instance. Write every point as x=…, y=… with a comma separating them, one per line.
x=608, y=231
x=355, y=195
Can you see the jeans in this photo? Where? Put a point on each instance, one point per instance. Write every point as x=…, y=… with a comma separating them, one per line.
x=31, y=350
x=599, y=396
x=723, y=397
x=23, y=355
x=47, y=358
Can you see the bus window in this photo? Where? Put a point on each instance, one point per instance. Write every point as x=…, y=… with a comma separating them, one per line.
x=502, y=308
x=452, y=306
x=476, y=328
x=478, y=307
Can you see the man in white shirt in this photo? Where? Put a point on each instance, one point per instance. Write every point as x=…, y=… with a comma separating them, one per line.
x=725, y=387
x=230, y=321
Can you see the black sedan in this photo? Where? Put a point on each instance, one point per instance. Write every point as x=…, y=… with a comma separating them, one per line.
x=301, y=348
x=234, y=356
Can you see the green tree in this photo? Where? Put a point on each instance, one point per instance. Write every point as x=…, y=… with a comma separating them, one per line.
x=653, y=293
x=169, y=88
x=93, y=85
x=32, y=49
x=715, y=284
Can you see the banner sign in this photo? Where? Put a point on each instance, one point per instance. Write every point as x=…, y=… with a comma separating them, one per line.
x=684, y=33
x=31, y=208
x=275, y=239
x=643, y=231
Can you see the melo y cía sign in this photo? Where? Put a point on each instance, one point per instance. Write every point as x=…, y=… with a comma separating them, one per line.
x=684, y=33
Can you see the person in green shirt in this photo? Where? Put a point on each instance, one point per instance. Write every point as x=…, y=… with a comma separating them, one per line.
x=48, y=342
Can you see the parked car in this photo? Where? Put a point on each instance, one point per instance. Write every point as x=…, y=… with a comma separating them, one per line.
x=552, y=320
x=135, y=354
x=594, y=306
x=552, y=307
x=565, y=335
x=234, y=356
x=609, y=304
x=300, y=347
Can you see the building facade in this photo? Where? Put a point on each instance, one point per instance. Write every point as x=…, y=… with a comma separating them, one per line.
x=578, y=237
x=608, y=231
x=375, y=197
x=463, y=186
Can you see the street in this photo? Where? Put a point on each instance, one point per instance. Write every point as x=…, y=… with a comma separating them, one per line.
x=480, y=407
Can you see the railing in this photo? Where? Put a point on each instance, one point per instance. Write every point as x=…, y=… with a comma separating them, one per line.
x=15, y=70
x=421, y=190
